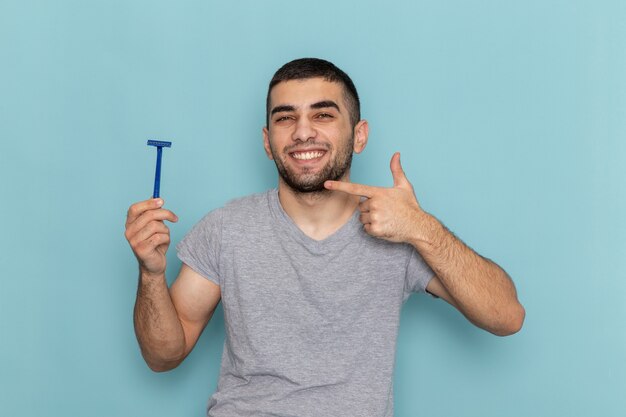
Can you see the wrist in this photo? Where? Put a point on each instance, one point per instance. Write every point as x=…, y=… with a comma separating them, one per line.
x=146, y=274
x=426, y=230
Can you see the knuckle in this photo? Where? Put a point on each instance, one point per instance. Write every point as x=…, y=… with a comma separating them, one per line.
x=140, y=248
x=162, y=228
x=132, y=210
x=137, y=245
x=160, y=238
x=156, y=227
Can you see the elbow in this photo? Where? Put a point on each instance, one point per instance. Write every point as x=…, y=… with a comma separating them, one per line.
x=160, y=367
x=514, y=321
x=161, y=363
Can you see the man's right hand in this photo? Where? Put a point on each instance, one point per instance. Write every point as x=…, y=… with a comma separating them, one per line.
x=148, y=235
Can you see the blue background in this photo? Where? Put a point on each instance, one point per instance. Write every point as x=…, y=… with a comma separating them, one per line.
x=510, y=117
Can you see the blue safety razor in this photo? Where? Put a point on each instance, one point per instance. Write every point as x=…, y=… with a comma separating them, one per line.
x=157, y=176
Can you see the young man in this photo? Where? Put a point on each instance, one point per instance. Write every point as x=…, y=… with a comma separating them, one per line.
x=311, y=275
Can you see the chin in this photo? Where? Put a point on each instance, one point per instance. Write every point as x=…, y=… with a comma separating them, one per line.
x=306, y=188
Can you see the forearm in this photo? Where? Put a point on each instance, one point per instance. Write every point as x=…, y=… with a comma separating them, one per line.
x=157, y=326
x=480, y=289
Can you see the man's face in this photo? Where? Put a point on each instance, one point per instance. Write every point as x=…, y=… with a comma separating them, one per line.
x=309, y=135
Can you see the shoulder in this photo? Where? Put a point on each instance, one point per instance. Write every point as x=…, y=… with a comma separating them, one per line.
x=240, y=210
x=249, y=202
x=246, y=208
x=235, y=214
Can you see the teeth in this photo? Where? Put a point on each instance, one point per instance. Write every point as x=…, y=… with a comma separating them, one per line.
x=307, y=155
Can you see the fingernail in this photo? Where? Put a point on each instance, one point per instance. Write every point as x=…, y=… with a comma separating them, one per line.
x=159, y=202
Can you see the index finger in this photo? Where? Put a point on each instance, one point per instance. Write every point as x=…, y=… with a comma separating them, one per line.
x=351, y=188
x=138, y=209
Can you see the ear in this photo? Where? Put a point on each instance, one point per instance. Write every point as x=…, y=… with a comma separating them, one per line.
x=266, y=143
x=361, y=132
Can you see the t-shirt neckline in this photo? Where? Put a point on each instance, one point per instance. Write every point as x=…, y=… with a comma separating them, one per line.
x=337, y=238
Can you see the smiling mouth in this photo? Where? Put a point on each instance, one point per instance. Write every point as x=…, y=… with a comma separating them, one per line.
x=307, y=155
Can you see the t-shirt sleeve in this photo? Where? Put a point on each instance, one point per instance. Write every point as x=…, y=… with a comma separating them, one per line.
x=418, y=273
x=200, y=248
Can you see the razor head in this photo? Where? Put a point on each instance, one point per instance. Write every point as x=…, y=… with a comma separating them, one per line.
x=160, y=144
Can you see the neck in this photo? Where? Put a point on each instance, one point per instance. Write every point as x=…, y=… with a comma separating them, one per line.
x=318, y=214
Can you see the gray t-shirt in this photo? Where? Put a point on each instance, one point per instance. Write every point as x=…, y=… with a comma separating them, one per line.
x=311, y=326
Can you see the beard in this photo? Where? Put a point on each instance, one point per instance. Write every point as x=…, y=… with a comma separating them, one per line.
x=308, y=181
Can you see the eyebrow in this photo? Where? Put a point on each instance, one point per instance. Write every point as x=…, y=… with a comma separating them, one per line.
x=319, y=105
x=325, y=104
x=283, y=108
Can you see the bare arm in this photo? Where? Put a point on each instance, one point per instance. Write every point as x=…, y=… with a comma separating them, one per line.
x=476, y=286
x=168, y=322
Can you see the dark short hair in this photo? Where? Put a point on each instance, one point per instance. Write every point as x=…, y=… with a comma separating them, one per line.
x=304, y=68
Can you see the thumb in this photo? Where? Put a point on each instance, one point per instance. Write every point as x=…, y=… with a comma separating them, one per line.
x=399, y=178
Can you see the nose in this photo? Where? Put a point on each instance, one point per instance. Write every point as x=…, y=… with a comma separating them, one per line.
x=304, y=131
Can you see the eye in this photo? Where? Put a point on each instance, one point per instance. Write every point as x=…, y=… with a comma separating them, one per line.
x=324, y=116
x=282, y=119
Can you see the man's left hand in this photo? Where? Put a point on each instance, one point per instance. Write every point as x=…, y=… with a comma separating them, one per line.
x=388, y=213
